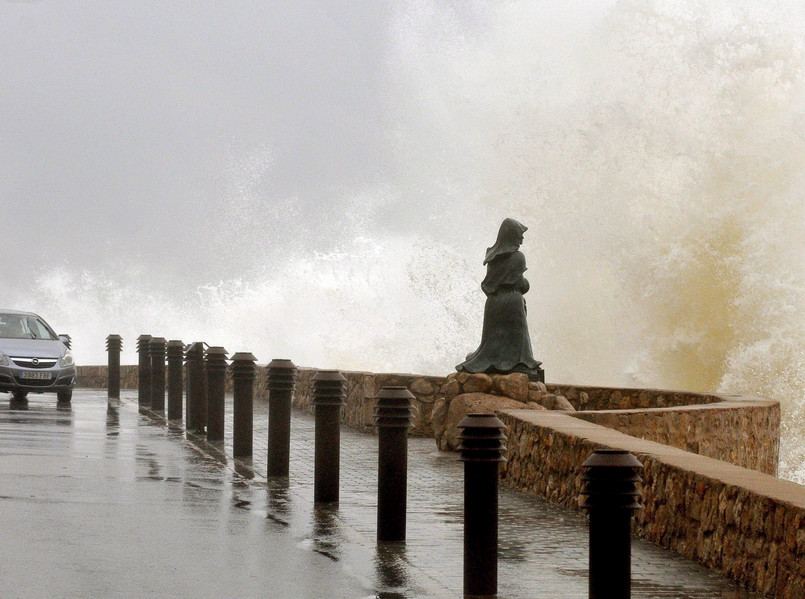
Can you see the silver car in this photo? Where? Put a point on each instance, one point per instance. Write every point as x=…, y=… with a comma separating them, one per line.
x=34, y=359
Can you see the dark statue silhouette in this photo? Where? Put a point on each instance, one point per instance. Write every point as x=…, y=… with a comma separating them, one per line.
x=505, y=344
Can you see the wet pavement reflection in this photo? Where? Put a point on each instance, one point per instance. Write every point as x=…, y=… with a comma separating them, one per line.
x=101, y=500
x=392, y=571
x=97, y=501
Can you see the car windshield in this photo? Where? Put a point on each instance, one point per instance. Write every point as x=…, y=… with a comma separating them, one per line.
x=24, y=326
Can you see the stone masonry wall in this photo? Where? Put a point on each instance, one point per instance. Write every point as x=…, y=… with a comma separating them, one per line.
x=615, y=398
x=741, y=431
x=722, y=427
x=361, y=389
x=748, y=525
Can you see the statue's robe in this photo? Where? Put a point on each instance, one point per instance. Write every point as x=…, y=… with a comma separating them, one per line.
x=505, y=343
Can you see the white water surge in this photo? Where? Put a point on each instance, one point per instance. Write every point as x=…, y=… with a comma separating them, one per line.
x=656, y=150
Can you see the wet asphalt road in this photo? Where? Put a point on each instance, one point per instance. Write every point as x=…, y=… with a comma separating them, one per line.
x=98, y=500
x=95, y=503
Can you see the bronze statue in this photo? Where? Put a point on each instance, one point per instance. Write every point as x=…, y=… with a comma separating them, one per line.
x=505, y=342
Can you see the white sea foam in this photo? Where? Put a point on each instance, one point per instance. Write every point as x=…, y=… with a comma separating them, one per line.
x=656, y=153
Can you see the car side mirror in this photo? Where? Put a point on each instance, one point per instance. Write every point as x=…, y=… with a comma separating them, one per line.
x=65, y=339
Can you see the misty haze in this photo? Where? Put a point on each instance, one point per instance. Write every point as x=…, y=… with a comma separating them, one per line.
x=318, y=180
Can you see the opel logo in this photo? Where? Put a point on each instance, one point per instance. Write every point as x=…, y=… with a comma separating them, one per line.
x=35, y=361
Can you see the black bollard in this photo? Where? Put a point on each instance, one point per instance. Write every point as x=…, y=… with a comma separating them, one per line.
x=610, y=493
x=481, y=451
x=243, y=375
x=393, y=418
x=280, y=383
x=329, y=391
x=196, y=409
x=114, y=343
x=143, y=371
x=175, y=351
x=156, y=349
x=215, y=368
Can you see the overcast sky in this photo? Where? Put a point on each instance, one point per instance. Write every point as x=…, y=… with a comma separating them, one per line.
x=125, y=124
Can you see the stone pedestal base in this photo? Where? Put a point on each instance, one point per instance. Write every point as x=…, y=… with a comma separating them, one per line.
x=464, y=393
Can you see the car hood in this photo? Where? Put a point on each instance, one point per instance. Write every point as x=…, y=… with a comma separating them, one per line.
x=33, y=348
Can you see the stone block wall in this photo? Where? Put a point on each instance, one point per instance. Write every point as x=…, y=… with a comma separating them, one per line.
x=745, y=524
x=361, y=390
x=739, y=430
x=617, y=398
x=722, y=427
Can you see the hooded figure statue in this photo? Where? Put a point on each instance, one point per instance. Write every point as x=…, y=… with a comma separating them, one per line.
x=505, y=344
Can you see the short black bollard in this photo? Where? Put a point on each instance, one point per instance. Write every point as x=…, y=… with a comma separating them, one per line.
x=329, y=391
x=243, y=375
x=156, y=349
x=610, y=493
x=393, y=418
x=481, y=451
x=215, y=368
x=143, y=371
x=280, y=383
x=175, y=351
x=196, y=409
x=114, y=343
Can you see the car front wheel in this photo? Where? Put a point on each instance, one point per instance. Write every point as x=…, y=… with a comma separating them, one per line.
x=64, y=396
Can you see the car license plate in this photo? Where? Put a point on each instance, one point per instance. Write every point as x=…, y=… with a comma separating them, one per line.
x=37, y=376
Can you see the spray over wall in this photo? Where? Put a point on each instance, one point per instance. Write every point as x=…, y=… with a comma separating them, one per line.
x=655, y=150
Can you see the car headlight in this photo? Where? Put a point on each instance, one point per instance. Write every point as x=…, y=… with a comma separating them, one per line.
x=3, y=359
x=67, y=359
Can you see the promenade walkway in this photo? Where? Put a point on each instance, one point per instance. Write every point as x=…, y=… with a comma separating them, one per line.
x=543, y=548
x=101, y=501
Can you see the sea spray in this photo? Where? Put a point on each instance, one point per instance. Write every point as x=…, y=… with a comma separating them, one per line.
x=655, y=151
x=661, y=162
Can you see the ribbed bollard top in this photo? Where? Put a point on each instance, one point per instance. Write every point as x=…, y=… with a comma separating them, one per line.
x=175, y=349
x=281, y=375
x=216, y=358
x=142, y=343
x=482, y=438
x=243, y=366
x=394, y=407
x=194, y=351
x=156, y=347
x=611, y=480
x=329, y=388
x=68, y=341
x=114, y=343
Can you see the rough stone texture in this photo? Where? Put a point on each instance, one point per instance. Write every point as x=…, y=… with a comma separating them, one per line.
x=361, y=390
x=745, y=524
x=469, y=403
x=509, y=387
x=514, y=386
x=612, y=398
x=477, y=383
x=737, y=430
x=555, y=402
